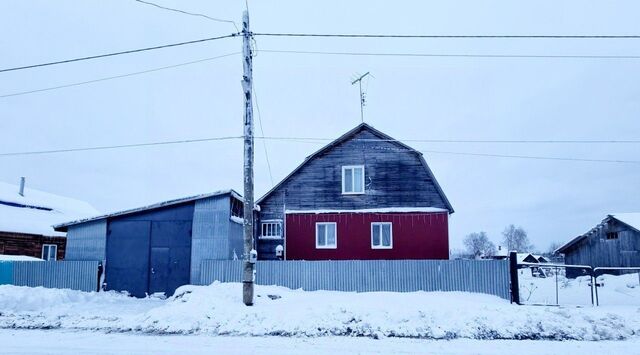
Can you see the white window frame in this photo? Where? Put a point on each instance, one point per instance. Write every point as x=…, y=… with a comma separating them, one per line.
x=55, y=252
x=352, y=167
x=390, y=224
x=335, y=226
x=277, y=222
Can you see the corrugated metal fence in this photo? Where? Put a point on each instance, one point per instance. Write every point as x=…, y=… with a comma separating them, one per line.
x=76, y=275
x=482, y=276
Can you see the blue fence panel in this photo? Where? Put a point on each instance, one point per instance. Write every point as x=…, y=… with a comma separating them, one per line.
x=481, y=276
x=75, y=275
x=6, y=273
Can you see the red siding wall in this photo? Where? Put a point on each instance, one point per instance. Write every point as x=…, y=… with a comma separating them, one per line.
x=415, y=236
x=29, y=244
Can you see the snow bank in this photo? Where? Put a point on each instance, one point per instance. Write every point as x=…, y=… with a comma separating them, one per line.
x=217, y=310
x=18, y=258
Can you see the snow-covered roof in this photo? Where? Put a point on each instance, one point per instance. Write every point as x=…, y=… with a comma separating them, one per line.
x=631, y=219
x=501, y=251
x=37, y=211
x=18, y=258
x=63, y=226
x=372, y=210
x=522, y=256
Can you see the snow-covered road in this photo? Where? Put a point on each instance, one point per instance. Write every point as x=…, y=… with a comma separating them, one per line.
x=67, y=342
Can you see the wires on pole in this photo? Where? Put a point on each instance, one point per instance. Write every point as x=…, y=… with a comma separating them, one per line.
x=415, y=36
x=189, y=13
x=117, y=53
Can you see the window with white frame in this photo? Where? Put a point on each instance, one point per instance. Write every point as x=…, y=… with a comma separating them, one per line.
x=381, y=235
x=326, y=235
x=49, y=252
x=271, y=229
x=353, y=179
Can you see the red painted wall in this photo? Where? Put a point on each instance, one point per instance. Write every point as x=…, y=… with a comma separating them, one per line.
x=416, y=235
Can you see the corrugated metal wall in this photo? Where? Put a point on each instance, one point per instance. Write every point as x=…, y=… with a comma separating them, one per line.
x=482, y=276
x=76, y=275
x=87, y=241
x=209, y=239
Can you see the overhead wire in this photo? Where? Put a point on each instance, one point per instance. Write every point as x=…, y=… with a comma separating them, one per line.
x=189, y=13
x=20, y=93
x=117, y=53
x=68, y=150
x=415, y=36
x=454, y=55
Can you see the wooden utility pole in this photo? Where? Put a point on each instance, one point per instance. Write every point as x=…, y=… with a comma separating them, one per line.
x=249, y=252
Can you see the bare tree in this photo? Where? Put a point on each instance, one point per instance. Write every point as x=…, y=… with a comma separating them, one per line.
x=478, y=244
x=515, y=238
x=553, y=247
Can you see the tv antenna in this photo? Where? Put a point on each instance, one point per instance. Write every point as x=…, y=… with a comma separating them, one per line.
x=363, y=95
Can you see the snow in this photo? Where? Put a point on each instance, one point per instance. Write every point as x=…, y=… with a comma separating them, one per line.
x=238, y=220
x=18, y=258
x=35, y=220
x=632, y=219
x=217, y=310
x=74, y=342
x=371, y=210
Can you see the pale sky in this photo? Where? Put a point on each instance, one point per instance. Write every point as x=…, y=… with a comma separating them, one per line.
x=302, y=95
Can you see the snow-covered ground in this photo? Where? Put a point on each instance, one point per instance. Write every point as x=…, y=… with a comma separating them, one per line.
x=66, y=342
x=621, y=290
x=217, y=310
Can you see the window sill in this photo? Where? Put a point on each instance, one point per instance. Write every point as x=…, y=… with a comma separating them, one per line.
x=391, y=247
x=353, y=193
x=271, y=238
x=333, y=247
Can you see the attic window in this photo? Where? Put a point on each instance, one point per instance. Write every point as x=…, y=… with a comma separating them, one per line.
x=353, y=179
x=237, y=208
x=612, y=235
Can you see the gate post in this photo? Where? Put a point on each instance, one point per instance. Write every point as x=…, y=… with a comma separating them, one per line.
x=513, y=270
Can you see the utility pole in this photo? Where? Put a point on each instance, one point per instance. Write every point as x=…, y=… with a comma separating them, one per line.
x=362, y=95
x=249, y=255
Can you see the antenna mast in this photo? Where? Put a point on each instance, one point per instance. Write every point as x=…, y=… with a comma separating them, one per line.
x=362, y=94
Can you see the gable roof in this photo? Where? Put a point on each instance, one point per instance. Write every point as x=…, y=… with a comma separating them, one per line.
x=361, y=127
x=63, y=226
x=632, y=220
x=35, y=211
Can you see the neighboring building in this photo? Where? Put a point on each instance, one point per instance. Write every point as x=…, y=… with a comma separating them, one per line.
x=26, y=219
x=363, y=196
x=615, y=242
x=160, y=247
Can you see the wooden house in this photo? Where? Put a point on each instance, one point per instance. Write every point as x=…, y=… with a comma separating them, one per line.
x=160, y=247
x=26, y=219
x=614, y=242
x=363, y=196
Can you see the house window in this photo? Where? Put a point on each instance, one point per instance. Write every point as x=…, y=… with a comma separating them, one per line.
x=49, y=252
x=353, y=179
x=272, y=229
x=326, y=235
x=612, y=235
x=381, y=235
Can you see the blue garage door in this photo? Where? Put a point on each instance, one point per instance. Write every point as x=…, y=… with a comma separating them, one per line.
x=127, y=267
x=146, y=257
x=170, y=256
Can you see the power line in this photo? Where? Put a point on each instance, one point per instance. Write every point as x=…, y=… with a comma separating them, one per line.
x=454, y=55
x=312, y=139
x=264, y=142
x=190, y=13
x=337, y=35
x=107, y=147
x=116, y=77
x=117, y=53
x=41, y=152
x=533, y=157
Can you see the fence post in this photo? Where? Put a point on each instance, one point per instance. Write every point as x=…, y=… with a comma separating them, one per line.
x=513, y=269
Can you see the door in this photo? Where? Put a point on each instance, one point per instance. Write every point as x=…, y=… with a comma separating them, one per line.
x=128, y=257
x=159, y=270
x=170, y=256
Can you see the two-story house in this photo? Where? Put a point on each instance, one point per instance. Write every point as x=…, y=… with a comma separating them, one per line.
x=363, y=196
